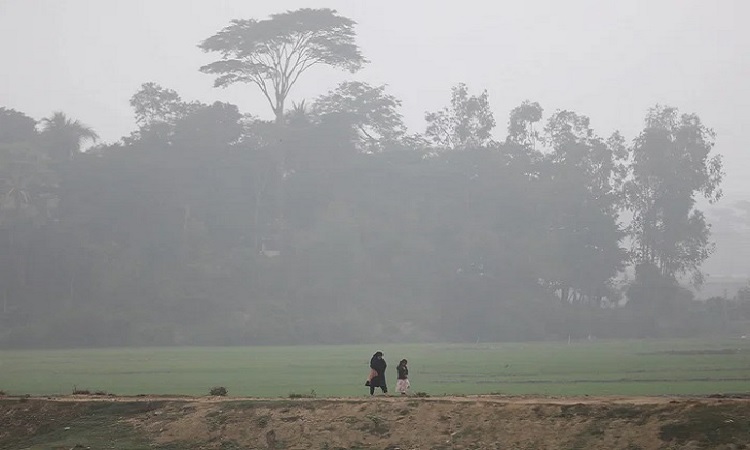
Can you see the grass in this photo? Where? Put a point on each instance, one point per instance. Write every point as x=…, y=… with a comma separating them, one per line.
x=710, y=426
x=637, y=367
x=84, y=425
x=376, y=425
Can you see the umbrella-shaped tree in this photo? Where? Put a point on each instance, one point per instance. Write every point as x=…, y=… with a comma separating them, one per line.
x=273, y=53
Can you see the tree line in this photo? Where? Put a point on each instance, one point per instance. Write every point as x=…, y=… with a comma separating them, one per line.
x=332, y=223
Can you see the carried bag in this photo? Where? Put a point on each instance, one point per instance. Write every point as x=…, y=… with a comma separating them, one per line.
x=373, y=374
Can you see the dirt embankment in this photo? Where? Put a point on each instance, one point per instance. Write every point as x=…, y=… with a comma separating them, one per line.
x=385, y=423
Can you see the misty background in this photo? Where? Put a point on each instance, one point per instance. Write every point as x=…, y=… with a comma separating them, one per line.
x=191, y=233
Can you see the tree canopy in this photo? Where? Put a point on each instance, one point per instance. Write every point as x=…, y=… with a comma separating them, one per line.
x=466, y=123
x=64, y=136
x=373, y=113
x=16, y=127
x=209, y=226
x=671, y=164
x=174, y=238
x=274, y=53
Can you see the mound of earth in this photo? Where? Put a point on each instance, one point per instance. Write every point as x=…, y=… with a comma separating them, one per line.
x=385, y=423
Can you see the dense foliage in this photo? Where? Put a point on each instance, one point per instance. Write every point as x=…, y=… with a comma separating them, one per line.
x=332, y=224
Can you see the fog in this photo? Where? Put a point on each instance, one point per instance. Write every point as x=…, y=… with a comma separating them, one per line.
x=355, y=217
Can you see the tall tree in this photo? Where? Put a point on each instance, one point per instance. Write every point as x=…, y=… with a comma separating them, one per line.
x=64, y=136
x=466, y=123
x=373, y=113
x=16, y=127
x=157, y=111
x=28, y=199
x=521, y=124
x=598, y=163
x=274, y=53
x=670, y=165
x=584, y=171
x=156, y=104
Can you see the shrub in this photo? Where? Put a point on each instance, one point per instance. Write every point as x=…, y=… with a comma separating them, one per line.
x=312, y=394
x=218, y=390
x=262, y=421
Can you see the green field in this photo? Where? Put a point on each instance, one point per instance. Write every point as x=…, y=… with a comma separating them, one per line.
x=637, y=367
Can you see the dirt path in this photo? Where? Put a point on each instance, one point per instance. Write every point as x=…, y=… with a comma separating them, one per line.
x=381, y=422
x=502, y=399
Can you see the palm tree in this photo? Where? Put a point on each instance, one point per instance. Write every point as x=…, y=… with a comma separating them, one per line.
x=299, y=115
x=65, y=136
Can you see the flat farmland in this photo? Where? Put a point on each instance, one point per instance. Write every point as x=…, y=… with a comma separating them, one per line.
x=596, y=368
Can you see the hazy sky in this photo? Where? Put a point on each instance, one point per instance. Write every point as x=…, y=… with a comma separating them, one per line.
x=605, y=59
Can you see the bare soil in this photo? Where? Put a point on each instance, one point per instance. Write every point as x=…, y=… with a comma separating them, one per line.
x=385, y=423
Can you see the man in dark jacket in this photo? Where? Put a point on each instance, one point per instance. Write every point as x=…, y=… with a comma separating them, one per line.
x=378, y=364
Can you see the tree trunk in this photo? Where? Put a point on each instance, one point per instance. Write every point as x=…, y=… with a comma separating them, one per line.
x=256, y=215
x=279, y=111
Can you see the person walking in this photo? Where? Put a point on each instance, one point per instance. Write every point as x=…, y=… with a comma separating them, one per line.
x=378, y=365
x=402, y=384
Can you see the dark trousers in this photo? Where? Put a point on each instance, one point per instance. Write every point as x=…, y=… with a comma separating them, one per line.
x=384, y=388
